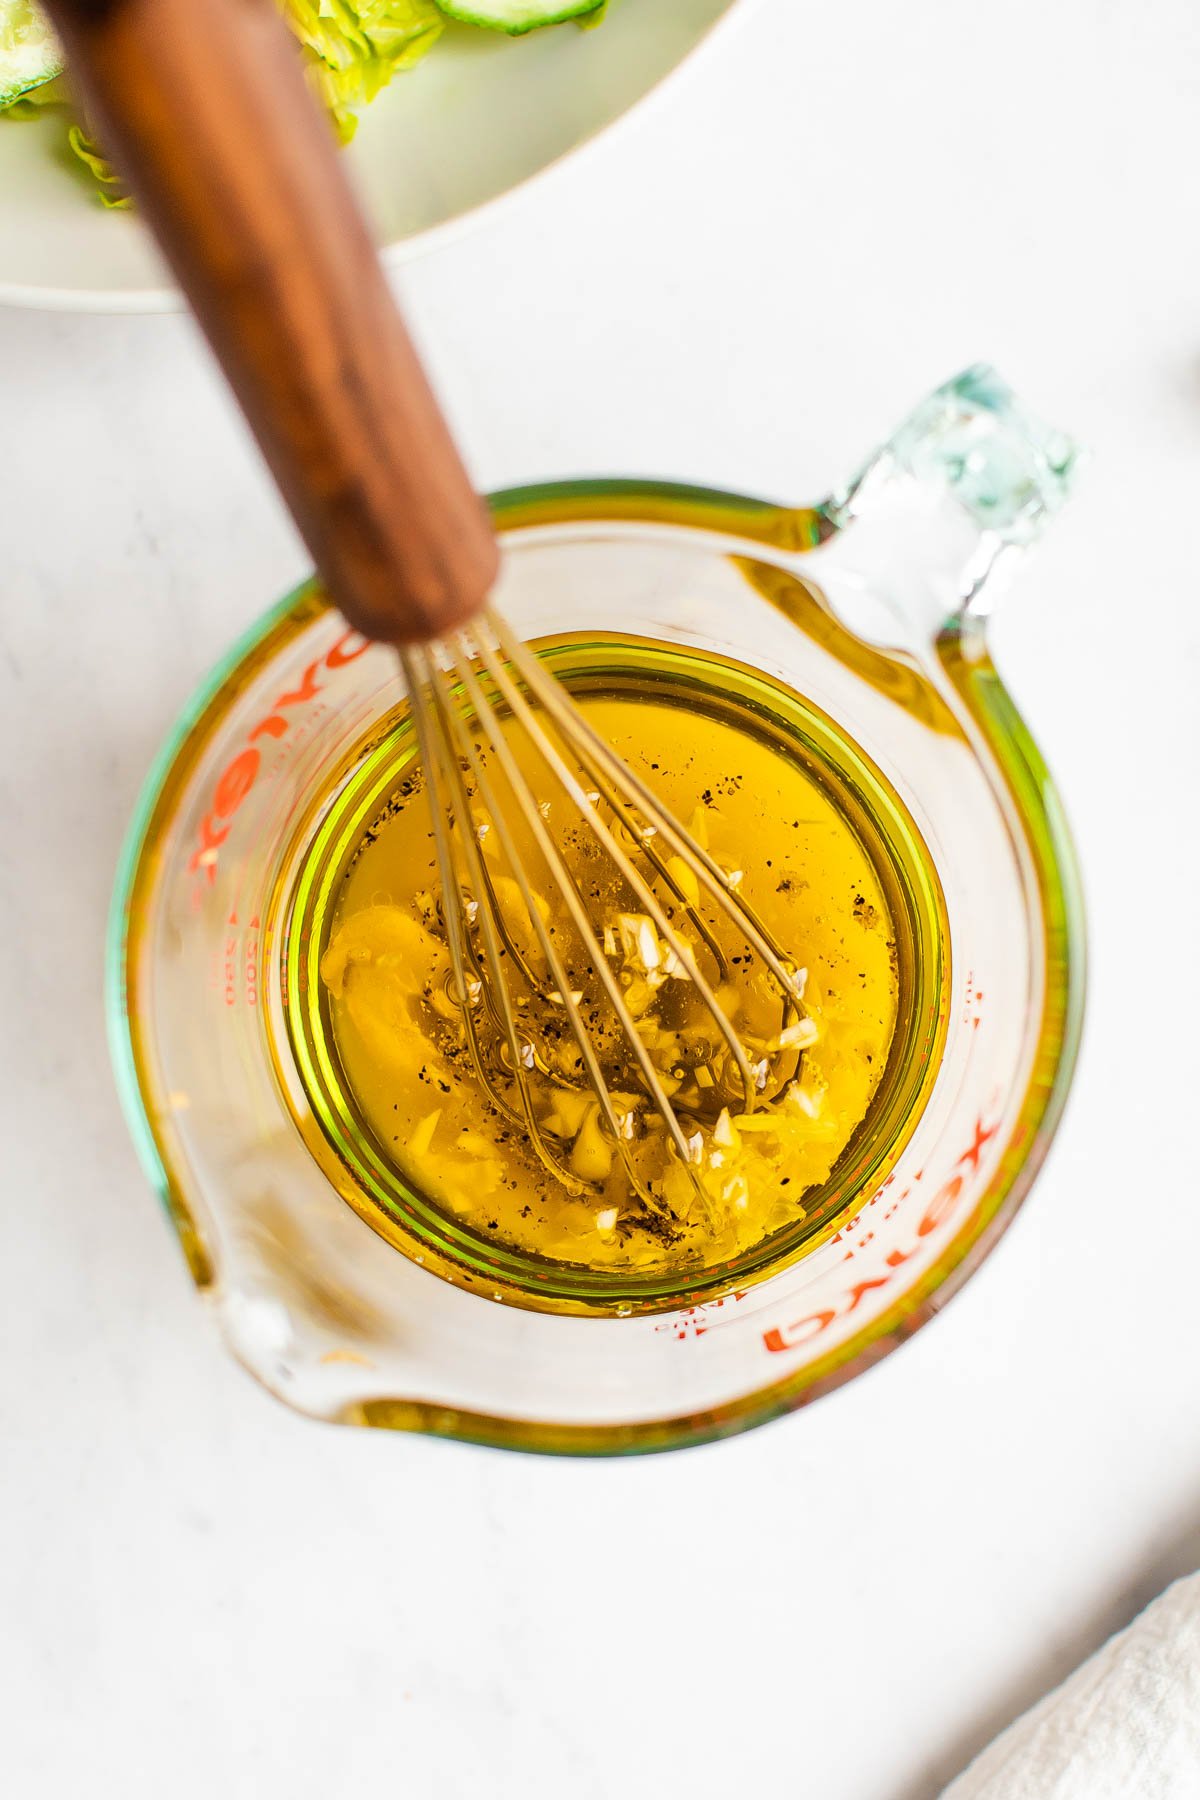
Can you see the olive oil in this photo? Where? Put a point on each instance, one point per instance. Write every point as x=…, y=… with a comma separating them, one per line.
x=821, y=850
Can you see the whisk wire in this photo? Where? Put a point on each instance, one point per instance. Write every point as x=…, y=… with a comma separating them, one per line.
x=461, y=691
x=567, y=889
x=463, y=754
x=715, y=879
x=441, y=772
x=645, y=894
x=419, y=675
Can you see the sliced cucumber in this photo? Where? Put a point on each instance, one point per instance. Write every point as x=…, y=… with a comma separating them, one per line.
x=29, y=51
x=517, y=16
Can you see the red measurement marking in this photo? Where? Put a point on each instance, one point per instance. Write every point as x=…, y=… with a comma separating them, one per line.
x=801, y=1332
x=941, y=1206
x=246, y=962
x=272, y=727
x=937, y=1214
x=696, y=1320
x=242, y=771
x=973, y=1002
x=250, y=965
x=982, y=1137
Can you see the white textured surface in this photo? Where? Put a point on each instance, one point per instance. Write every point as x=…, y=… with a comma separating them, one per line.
x=199, y=1593
x=1127, y=1722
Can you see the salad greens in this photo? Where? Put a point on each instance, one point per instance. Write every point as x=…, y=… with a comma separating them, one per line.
x=30, y=54
x=352, y=49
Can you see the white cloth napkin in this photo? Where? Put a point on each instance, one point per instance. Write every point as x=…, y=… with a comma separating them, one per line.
x=1125, y=1726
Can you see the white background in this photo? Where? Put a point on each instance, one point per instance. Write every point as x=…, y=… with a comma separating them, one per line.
x=746, y=284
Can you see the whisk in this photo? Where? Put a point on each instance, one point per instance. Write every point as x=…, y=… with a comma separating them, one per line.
x=205, y=110
x=470, y=695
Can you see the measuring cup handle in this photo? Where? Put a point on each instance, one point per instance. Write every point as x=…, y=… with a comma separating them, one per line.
x=208, y=117
x=968, y=481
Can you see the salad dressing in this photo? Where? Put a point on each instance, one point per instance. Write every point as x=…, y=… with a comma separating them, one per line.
x=393, y=1020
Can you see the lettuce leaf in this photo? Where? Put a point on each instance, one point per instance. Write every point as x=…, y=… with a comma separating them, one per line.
x=30, y=53
x=34, y=101
x=354, y=47
x=107, y=182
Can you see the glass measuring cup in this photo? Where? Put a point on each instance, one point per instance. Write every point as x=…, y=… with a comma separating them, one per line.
x=874, y=606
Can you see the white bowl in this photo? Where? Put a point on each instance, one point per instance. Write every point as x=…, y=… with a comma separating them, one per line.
x=481, y=115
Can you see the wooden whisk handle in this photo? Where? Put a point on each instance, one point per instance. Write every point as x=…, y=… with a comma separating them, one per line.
x=204, y=107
